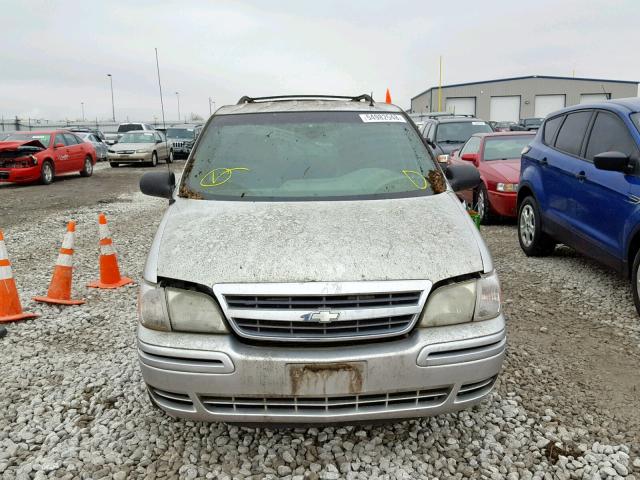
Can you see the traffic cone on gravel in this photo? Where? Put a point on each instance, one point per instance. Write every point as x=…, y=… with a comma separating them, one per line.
x=10, y=308
x=60, y=288
x=109, y=271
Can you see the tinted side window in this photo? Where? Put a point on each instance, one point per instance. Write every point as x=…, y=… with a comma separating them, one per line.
x=550, y=128
x=572, y=132
x=610, y=134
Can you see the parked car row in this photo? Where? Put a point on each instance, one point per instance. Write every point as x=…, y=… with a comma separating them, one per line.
x=31, y=156
x=27, y=157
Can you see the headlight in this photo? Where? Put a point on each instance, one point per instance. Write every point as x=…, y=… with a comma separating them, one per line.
x=443, y=158
x=473, y=300
x=192, y=311
x=111, y=151
x=507, y=187
x=144, y=150
x=489, y=297
x=168, y=309
x=152, y=307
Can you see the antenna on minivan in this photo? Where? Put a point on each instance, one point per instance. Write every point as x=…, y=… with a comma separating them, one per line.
x=164, y=125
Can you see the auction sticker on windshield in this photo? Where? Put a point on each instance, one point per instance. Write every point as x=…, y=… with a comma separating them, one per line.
x=382, y=117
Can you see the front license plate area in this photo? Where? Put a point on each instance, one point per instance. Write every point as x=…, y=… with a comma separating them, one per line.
x=321, y=379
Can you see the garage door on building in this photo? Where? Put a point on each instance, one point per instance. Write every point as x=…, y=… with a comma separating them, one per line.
x=545, y=104
x=593, y=97
x=505, y=109
x=461, y=105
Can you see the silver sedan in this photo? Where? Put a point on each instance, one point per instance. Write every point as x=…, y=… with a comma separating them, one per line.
x=99, y=145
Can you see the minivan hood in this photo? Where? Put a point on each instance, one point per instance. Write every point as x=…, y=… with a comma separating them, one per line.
x=209, y=242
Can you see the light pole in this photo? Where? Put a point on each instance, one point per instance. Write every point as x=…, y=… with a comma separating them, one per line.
x=113, y=108
x=82, y=103
x=214, y=105
x=178, y=97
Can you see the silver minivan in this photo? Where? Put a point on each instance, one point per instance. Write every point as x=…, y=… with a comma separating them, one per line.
x=315, y=266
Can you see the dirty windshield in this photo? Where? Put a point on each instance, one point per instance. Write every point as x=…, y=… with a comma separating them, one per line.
x=310, y=155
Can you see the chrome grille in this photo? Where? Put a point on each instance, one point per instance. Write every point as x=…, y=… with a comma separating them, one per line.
x=178, y=144
x=126, y=152
x=324, y=301
x=330, y=404
x=315, y=329
x=323, y=312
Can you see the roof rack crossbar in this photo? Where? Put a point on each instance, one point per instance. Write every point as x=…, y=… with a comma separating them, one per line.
x=359, y=98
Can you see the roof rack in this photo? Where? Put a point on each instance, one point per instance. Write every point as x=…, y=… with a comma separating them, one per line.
x=359, y=98
x=435, y=115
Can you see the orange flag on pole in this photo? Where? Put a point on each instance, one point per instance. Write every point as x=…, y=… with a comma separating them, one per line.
x=388, y=97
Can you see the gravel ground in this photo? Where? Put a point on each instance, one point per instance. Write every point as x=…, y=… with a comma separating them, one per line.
x=73, y=405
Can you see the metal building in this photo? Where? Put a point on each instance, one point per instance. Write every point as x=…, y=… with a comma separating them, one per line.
x=511, y=99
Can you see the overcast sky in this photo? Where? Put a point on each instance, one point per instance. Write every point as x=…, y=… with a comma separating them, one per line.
x=55, y=55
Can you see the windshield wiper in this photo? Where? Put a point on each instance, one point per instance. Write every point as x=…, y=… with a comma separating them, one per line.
x=451, y=141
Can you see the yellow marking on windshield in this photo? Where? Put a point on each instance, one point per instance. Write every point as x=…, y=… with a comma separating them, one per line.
x=219, y=176
x=416, y=178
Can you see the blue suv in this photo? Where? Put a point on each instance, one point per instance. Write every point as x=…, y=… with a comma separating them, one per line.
x=580, y=185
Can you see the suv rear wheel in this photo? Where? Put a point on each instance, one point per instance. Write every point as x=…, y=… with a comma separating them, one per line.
x=533, y=241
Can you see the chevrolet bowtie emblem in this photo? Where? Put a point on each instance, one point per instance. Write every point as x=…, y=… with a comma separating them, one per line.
x=323, y=316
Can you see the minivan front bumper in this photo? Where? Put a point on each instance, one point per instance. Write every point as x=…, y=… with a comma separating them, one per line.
x=219, y=378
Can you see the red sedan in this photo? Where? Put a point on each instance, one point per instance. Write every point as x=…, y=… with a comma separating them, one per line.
x=27, y=157
x=497, y=158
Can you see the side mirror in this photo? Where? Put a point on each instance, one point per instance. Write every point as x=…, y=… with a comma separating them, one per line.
x=158, y=141
x=158, y=184
x=463, y=177
x=59, y=145
x=612, y=161
x=470, y=157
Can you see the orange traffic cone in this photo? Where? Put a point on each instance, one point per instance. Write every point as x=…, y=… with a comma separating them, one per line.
x=388, y=97
x=60, y=287
x=10, y=308
x=109, y=271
